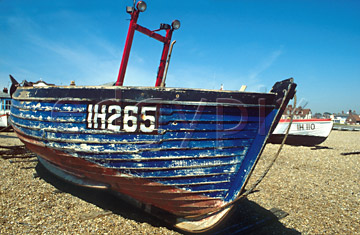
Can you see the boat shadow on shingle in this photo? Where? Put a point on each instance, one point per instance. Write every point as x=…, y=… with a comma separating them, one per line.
x=247, y=218
x=350, y=153
x=320, y=147
x=15, y=152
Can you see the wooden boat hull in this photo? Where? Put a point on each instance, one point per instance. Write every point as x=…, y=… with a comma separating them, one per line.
x=304, y=132
x=188, y=152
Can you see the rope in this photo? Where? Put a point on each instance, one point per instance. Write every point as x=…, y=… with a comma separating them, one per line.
x=252, y=188
x=5, y=128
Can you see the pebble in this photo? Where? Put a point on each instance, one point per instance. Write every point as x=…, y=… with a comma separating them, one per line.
x=319, y=187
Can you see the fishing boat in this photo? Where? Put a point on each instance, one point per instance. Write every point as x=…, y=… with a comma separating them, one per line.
x=182, y=154
x=304, y=132
x=5, y=103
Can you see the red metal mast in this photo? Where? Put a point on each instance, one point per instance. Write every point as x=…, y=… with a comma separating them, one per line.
x=134, y=12
x=128, y=44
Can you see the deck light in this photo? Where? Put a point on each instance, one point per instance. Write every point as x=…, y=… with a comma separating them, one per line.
x=164, y=26
x=141, y=6
x=175, y=24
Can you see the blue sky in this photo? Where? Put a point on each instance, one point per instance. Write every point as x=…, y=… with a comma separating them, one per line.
x=237, y=42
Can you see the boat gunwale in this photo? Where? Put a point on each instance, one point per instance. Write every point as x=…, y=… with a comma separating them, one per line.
x=307, y=120
x=155, y=101
x=147, y=88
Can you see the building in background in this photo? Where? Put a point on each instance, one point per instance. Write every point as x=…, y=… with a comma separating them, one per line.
x=353, y=118
x=299, y=113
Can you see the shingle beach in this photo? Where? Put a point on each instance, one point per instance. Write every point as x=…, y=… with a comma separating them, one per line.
x=317, y=187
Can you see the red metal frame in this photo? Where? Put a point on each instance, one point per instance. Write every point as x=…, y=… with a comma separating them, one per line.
x=129, y=39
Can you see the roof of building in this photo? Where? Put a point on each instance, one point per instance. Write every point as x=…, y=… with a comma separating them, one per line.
x=354, y=117
x=298, y=111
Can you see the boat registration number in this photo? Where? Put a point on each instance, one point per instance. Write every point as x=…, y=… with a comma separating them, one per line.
x=121, y=118
x=307, y=126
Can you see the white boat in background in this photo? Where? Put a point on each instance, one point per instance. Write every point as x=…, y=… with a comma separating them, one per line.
x=5, y=103
x=306, y=132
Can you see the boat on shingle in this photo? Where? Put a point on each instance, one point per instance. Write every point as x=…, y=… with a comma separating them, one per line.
x=302, y=132
x=187, y=153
